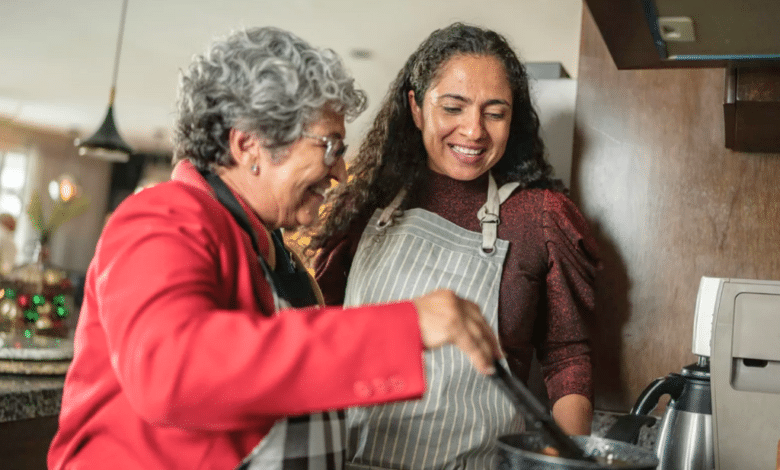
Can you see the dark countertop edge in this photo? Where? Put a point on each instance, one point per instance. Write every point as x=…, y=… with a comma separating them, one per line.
x=27, y=397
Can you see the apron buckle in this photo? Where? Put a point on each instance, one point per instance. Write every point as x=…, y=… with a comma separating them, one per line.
x=489, y=218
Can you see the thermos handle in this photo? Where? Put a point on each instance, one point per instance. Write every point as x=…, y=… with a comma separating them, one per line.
x=672, y=384
x=627, y=427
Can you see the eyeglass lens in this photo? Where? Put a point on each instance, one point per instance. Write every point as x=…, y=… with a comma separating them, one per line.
x=335, y=150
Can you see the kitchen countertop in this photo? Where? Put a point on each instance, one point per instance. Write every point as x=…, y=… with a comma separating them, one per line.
x=603, y=420
x=32, y=375
x=25, y=397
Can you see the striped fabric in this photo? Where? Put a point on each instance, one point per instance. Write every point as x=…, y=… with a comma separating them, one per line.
x=455, y=424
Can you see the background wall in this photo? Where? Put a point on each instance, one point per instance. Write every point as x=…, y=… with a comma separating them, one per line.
x=53, y=153
x=555, y=101
x=669, y=204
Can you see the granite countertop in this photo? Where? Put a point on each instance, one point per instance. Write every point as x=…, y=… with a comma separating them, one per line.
x=32, y=375
x=25, y=397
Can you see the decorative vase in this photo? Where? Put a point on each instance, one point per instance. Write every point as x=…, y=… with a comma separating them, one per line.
x=42, y=251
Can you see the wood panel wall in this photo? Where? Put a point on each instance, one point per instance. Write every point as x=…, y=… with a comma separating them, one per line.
x=669, y=204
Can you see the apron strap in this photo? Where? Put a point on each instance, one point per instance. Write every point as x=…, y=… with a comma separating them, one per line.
x=488, y=213
x=389, y=211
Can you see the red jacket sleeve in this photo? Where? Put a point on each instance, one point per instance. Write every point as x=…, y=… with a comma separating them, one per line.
x=190, y=344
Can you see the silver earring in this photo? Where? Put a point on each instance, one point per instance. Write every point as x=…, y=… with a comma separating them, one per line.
x=255, y=169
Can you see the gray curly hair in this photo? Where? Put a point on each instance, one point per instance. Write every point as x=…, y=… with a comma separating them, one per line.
x=265, y=81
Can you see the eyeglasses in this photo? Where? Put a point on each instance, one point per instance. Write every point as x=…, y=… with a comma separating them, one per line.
x=334, y=147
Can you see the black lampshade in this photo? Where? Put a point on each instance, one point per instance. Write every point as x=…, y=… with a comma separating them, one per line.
x=106, y=143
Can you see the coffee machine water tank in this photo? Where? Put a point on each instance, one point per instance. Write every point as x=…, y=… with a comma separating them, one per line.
x=743, y=320
x=706, y=301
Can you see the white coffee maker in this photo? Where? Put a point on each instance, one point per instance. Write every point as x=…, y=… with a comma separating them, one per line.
x=737, y=325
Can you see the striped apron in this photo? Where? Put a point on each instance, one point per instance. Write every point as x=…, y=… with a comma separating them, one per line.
x=455, y=424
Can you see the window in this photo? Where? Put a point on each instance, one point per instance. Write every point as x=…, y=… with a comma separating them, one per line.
x=13, y=179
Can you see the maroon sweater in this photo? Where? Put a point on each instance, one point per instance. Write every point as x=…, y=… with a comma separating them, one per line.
x=547, y=283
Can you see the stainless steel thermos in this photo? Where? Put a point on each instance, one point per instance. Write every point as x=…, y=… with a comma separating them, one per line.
x=685, y=440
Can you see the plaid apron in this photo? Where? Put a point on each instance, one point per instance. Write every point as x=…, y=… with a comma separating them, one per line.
x=310, y=442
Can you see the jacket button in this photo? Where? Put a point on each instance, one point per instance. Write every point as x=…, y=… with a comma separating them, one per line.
x=381, y=386
x=397, y=384
x=362, y=389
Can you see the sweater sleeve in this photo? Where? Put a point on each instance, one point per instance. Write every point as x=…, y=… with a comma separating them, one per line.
x=572, y=265
x=190, y=350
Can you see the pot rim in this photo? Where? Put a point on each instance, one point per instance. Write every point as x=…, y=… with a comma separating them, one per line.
x=651, y=459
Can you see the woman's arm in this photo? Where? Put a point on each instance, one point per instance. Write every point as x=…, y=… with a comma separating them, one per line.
x=574, y=414
x=573, y=263
x=192, y=348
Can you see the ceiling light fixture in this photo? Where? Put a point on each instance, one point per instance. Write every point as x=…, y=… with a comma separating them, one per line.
x=360, y=53
x=106, y=143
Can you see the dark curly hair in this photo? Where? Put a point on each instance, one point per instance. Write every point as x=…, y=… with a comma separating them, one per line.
x=392, y=155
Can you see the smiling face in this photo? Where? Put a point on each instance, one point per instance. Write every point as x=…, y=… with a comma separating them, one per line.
x=290, y=188
x=465, y=116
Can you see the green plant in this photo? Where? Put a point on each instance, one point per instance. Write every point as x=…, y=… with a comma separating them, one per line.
x=62, y=212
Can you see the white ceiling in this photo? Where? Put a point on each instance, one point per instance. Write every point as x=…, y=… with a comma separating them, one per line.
x=57, y=56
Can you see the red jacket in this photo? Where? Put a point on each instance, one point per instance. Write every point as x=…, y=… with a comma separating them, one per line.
x=180, y=360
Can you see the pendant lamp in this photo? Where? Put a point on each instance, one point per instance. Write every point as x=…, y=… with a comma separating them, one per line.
x=106, y=143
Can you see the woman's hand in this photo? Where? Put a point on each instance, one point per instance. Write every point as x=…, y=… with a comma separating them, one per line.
x=446, y=318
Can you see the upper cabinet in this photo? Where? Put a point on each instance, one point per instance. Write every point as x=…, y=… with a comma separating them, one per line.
x=689, y=33
x=740, y=36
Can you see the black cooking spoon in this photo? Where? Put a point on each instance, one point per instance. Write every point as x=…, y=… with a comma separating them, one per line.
x=540, y=418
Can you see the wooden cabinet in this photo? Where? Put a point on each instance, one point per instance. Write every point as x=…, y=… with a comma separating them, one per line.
x=725, y=32
x=25, y=443
x=739, y=37
x=29, y=409
x=751, y=109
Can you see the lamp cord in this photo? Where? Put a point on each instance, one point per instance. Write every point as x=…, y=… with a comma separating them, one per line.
x=118, y=52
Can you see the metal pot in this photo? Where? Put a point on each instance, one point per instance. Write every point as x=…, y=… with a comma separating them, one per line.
x=522, y=452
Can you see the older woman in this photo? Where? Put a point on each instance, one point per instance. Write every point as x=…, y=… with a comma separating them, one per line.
x=199, y=332
x=451, y=189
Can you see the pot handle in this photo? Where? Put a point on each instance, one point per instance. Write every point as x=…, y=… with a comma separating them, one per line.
x=627, y=427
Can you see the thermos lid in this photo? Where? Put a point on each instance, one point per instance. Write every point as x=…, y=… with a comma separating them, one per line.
x=696, y=371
